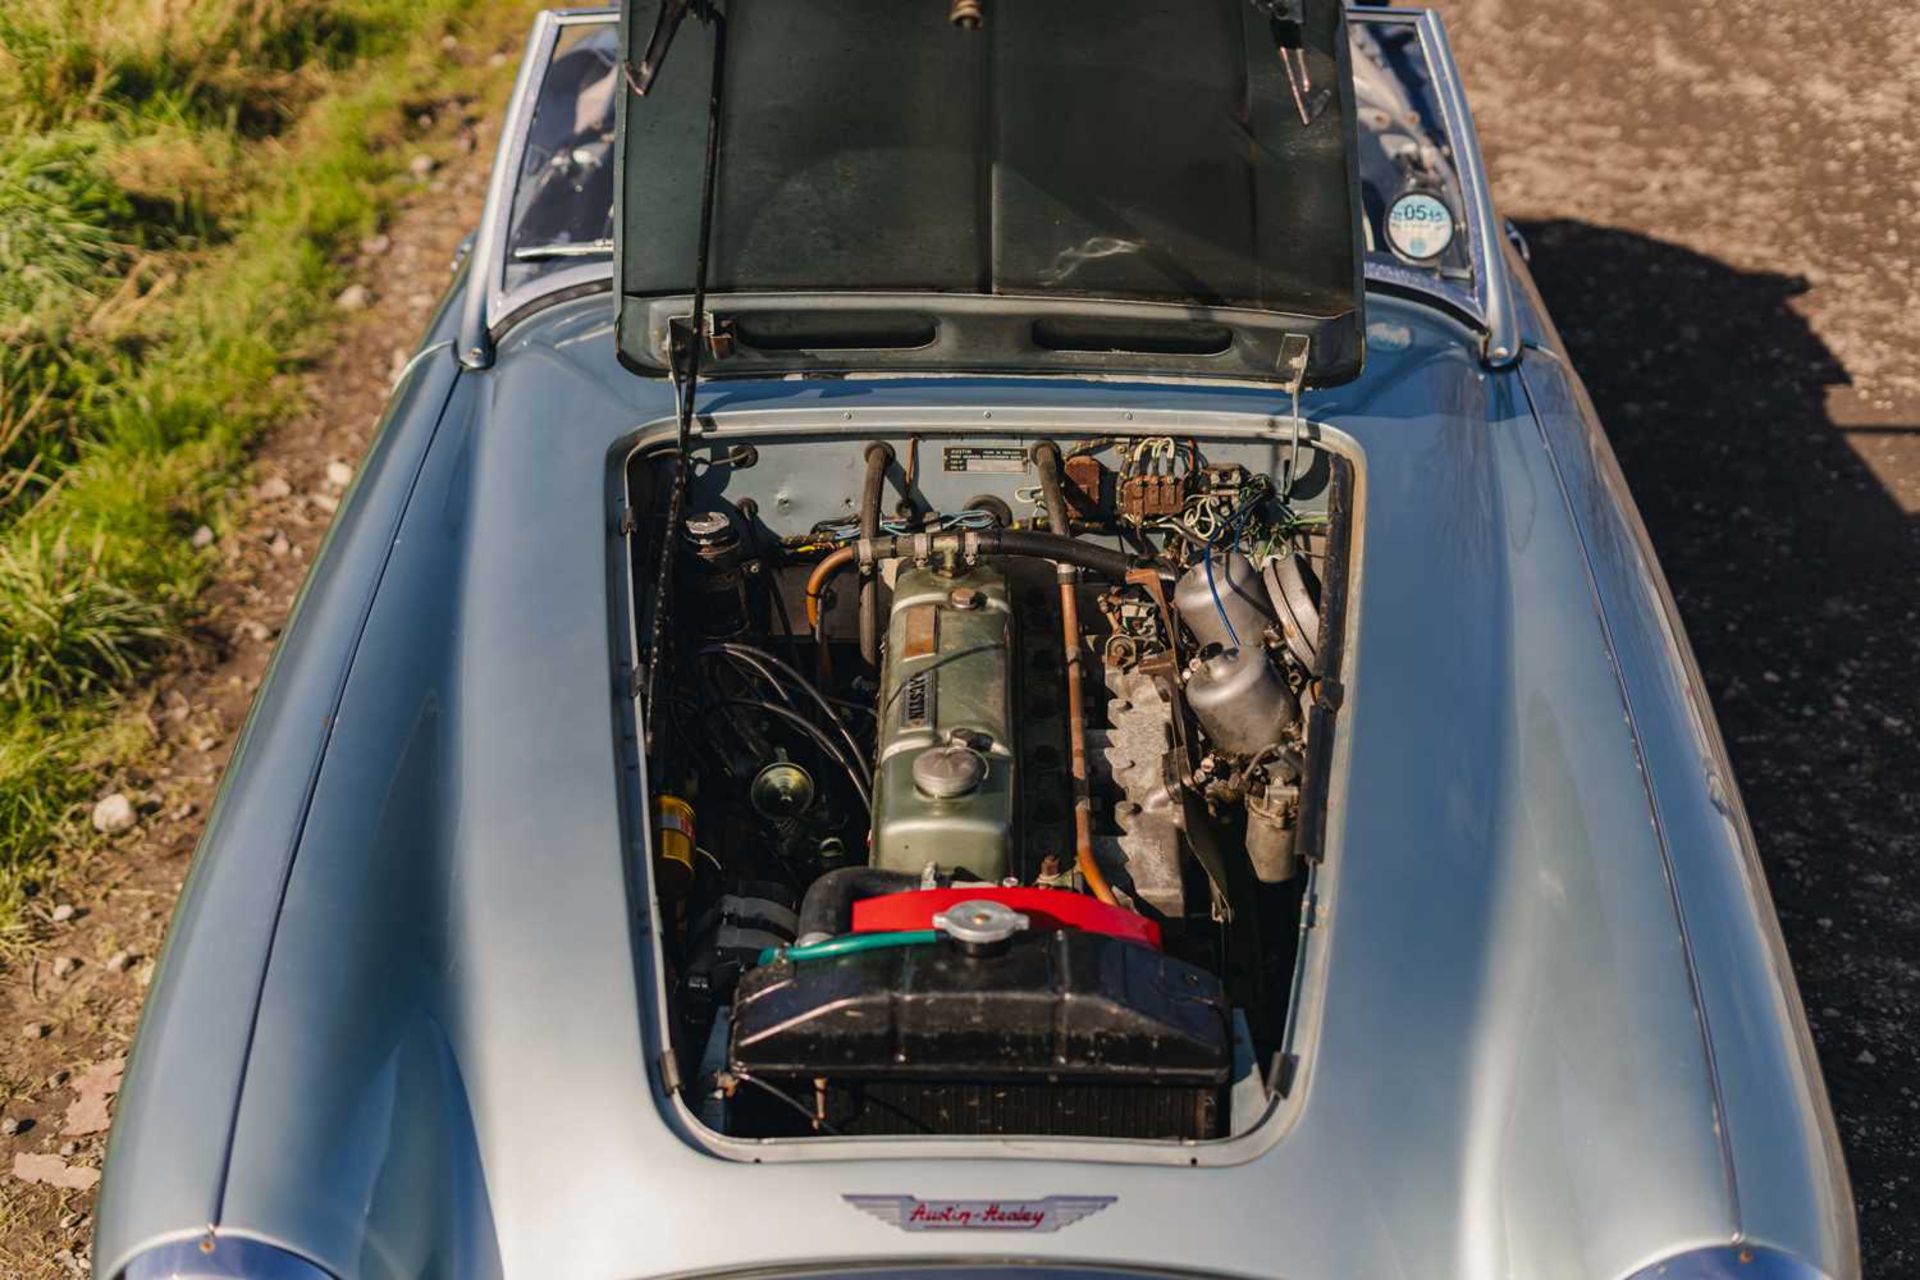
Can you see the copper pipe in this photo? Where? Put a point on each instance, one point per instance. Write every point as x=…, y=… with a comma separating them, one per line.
x=1077, y=738
x=1047, y=458
x=816, y=584
x=834, y=562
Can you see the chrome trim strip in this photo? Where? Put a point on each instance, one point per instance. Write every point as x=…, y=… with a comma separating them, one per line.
x=1492, y=288
x=927, y=1268
x=419, y=358
x=486, y=297
x=506, y=307
x=475, y=343
x=211, y=1256
x=1730, y=1262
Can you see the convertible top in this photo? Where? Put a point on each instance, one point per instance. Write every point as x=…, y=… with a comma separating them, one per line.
x=1148, y=185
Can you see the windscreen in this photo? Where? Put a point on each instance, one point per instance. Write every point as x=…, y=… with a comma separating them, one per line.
x=562, y=208
x=1150, y=150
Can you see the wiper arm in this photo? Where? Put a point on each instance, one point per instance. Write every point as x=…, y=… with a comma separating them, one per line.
x=672, y=13
x=563, y=249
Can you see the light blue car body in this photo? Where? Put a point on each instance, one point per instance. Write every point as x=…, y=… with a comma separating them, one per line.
x=408, y=1021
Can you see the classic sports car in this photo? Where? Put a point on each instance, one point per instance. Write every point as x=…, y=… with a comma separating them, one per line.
x=988, y=637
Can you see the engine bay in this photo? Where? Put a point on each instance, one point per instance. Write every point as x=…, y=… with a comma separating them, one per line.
x=986, y=774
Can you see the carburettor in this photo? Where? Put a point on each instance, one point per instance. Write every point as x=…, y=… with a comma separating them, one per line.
x=945, y=792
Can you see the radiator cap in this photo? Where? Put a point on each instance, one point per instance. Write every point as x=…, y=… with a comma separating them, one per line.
x=980, y=922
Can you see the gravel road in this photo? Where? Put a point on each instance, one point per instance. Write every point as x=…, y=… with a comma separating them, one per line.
x=1722, y=202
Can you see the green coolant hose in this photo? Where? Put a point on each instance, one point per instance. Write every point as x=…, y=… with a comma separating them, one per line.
x=848, y=943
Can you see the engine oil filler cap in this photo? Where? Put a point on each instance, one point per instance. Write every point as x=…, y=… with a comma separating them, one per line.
x=707, y=528
x=980, y=922
x=948, y=772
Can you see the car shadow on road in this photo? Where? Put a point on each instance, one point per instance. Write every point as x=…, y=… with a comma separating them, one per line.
x=1798, y=576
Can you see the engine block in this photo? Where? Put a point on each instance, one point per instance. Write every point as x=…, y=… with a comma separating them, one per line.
x=945, y=791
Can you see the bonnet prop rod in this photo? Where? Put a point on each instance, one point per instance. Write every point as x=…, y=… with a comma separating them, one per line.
x=685, y=346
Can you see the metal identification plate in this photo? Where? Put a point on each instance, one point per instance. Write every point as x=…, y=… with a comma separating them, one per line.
x=916, y=702
x=921, y=627
x=910, y=1213
x=1006, y=460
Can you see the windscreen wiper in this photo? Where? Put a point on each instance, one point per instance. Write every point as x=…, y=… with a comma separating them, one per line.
x=665, y=27
x=1287, y=22
x=563, y=249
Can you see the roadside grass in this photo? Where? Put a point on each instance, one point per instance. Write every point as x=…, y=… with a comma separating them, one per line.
x=179, y=181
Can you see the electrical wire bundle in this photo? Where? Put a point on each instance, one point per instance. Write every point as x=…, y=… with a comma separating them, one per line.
x=796, y=703
x=1257, y=521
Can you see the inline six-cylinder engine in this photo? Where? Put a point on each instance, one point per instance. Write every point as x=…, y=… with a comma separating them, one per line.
x=976, y=820
x=945, y=789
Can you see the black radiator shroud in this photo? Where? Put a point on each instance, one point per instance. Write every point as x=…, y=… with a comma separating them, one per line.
x=1068, y=1033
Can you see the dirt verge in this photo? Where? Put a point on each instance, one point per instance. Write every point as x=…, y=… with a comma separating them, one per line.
x=69, y=1005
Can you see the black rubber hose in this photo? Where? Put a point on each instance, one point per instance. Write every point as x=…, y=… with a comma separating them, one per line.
x=1047, y=458
x=879, y=458
x=752, y=664
x=1058, y=548
x=827, y=910
x=813, y=731
x=760, y=660
x=1016, y=542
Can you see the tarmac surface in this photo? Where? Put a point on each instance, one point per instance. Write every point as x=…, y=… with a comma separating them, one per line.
x=1723, y=208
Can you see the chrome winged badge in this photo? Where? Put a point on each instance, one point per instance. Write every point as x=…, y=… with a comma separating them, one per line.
x=910, y=1213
